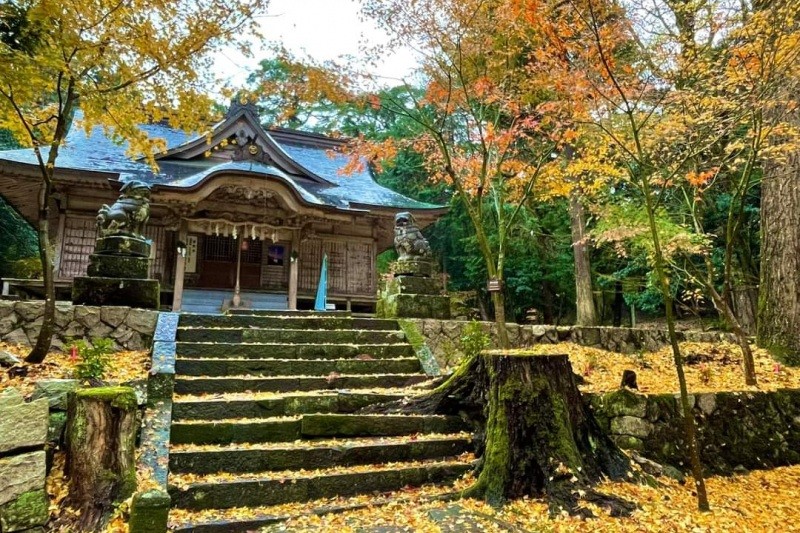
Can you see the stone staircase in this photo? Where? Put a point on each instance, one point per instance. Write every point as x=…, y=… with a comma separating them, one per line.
x=265, y=414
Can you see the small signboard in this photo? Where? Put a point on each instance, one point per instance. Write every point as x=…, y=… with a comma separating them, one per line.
x=494, y=285
x=191, y=254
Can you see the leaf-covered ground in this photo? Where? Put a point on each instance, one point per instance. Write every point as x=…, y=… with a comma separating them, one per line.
x=760, y=501
x=125, y=366
x=708, y=366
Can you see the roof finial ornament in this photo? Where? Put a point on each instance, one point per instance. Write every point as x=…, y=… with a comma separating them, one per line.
x=242, y=103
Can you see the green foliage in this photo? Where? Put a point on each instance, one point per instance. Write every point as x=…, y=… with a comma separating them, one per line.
x=94, y=358
x=19, y=249
x=385, y=261
x=474, y=339
x=27, y=268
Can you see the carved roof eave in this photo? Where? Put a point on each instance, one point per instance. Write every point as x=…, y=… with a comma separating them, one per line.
x=203, y=189
x=199, y=145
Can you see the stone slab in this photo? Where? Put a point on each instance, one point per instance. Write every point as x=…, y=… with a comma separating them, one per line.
x=29, y=510
x=118, y=266
x=144, y=293
x=55, y=390
x=23, y=425
x=412, y=267
x=20, y=474
x=122, y=245
x=8, y=359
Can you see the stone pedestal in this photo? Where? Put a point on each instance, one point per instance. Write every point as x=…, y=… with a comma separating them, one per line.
x=117, y=275
x=413, y=293
x=144, y=293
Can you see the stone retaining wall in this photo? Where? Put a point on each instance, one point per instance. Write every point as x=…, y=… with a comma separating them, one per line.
x=131, y=329
x=23, y=431
x=735, y=429
x=444, y=337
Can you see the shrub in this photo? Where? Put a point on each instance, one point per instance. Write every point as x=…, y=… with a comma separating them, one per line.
x=94, y=358
x=474, y=339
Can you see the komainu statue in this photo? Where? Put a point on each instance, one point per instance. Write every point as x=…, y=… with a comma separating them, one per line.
x=129, y=214
x=408, y=239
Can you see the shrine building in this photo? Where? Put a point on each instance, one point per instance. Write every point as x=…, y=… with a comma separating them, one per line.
x=241, y=208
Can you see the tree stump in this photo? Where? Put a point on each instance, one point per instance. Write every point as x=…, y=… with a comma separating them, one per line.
x=535, y=435
x=541, y=440
x=100, y=436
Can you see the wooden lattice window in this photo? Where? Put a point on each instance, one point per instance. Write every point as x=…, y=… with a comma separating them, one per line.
x=80, y=234
x=219, y=248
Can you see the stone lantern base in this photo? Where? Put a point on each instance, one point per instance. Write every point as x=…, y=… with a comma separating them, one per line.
x=117, y=275
x=412, y=293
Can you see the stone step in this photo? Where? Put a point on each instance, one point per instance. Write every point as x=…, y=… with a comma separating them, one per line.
x=280, y=350
x=310, y=455
x=287, y=429
x=242, y=520
x=210, y=385
x=256, y=490
x=294, y=367
x=220, y=407
x=290, y=322
x=320, y=336
x=285, y=313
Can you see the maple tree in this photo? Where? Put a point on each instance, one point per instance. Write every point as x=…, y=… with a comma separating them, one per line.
x=110, y=64
x=483, y=130
x=683, y=92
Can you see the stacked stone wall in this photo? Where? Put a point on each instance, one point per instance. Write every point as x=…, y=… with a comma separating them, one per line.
x=131, y=329
x=23, y=432
x=736, y=430
x=444, y=337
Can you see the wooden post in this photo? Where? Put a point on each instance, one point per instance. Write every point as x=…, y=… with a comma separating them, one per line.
x=180, y=269
x=237, y=297
x=101, y=458
x=294, y=267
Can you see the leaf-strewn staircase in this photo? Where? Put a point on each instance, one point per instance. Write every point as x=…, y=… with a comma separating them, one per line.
x=264, y=414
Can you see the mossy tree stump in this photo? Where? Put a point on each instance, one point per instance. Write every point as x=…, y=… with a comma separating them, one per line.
x=536, y=436
x=540, y=437
x=100, y=435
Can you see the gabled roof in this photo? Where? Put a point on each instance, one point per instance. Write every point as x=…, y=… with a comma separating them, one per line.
x=311, y=164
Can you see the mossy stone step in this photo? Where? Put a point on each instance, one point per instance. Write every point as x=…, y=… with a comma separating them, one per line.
x=294, y=367
x=229, y=432
x=307, y=456
x=281, y=350
x=311, y=426
x=257, y=492
x=204, y=385
x=336, y=425
x=288, y=405
x=289, y=322
x=327, y=336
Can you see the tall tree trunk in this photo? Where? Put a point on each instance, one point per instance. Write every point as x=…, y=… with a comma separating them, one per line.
x=45, y=338
x=587, y=314
x=499, y=302
x=689, y=429
x=47, y=168
x=779, y=298
x=619, y=305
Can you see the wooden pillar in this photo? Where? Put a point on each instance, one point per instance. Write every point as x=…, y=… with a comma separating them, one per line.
x=237, y=297
x=294, y=267
x=180, y=268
